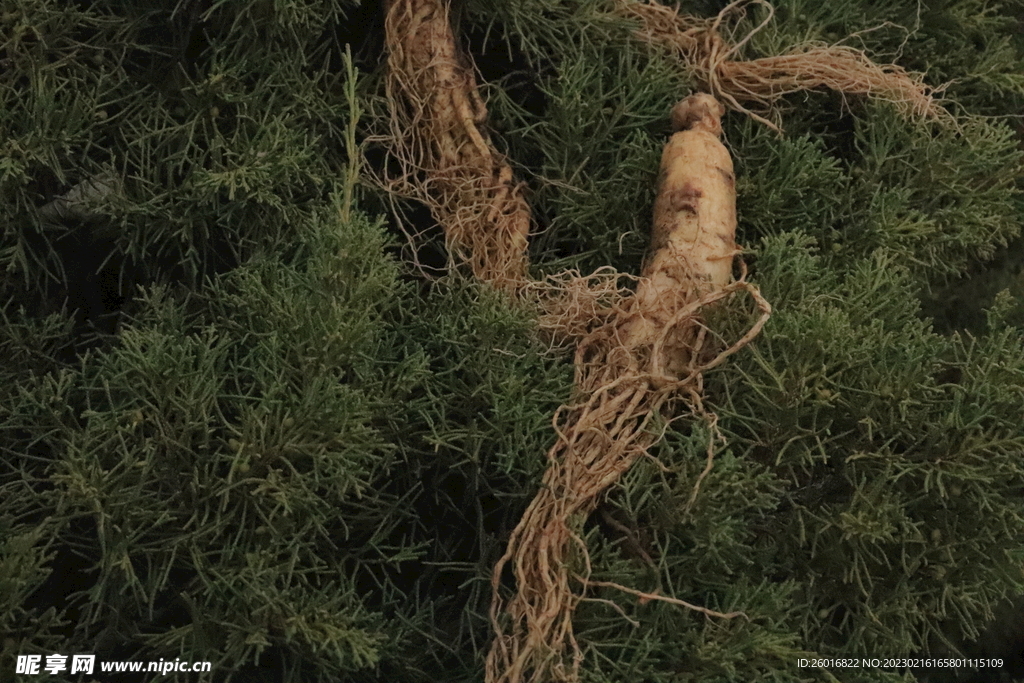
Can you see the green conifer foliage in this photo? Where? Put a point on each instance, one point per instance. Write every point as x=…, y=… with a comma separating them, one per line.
x=236, y=426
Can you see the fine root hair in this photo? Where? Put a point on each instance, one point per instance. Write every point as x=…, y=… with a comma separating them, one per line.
x=623, y=382
x=698, y=44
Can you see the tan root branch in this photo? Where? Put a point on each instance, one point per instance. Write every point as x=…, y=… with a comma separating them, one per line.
x=622, y=386
x=647, y=597
x=699, y=45
x=444, y=154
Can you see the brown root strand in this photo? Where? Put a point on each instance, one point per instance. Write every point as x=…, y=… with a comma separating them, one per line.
x=699, y=45
x=647, y=597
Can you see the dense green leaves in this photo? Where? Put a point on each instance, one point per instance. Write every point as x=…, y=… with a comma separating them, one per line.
x=234, y=427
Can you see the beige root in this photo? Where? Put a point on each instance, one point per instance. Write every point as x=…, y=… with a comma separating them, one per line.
x=598, y=439
x=698, y=44
x=446, y=158
x=643, y=353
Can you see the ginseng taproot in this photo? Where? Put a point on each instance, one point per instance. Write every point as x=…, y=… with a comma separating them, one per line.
x=643, y=354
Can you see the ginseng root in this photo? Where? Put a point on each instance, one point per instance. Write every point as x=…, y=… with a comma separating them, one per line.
x=645, y=354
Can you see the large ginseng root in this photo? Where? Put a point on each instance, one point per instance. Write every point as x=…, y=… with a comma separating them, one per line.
x=442, y=149
x=644, y=355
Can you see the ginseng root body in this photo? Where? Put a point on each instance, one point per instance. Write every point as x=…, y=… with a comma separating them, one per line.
x=693, y=237
x=695, y=210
